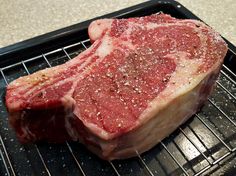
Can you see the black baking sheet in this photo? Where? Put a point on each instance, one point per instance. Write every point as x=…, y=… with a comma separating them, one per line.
x=198, y=150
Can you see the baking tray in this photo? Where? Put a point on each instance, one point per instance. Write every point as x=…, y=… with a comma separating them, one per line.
x=204, y=145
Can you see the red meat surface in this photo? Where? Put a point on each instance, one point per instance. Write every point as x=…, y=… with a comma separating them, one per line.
x=140, y=79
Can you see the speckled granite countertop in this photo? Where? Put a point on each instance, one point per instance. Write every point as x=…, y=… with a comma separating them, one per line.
x=23, y=19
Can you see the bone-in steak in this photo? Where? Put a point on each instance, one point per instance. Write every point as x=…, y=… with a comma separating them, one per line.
x=140, y=79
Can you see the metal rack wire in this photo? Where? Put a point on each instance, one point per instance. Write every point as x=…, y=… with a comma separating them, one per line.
x=198, y=144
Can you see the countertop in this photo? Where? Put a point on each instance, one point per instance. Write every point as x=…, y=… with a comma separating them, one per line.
x=24, y=19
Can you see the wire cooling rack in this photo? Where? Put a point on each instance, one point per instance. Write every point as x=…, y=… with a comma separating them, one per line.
x=202, y=145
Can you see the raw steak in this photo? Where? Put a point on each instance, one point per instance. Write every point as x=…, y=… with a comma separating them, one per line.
x=140, y=79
